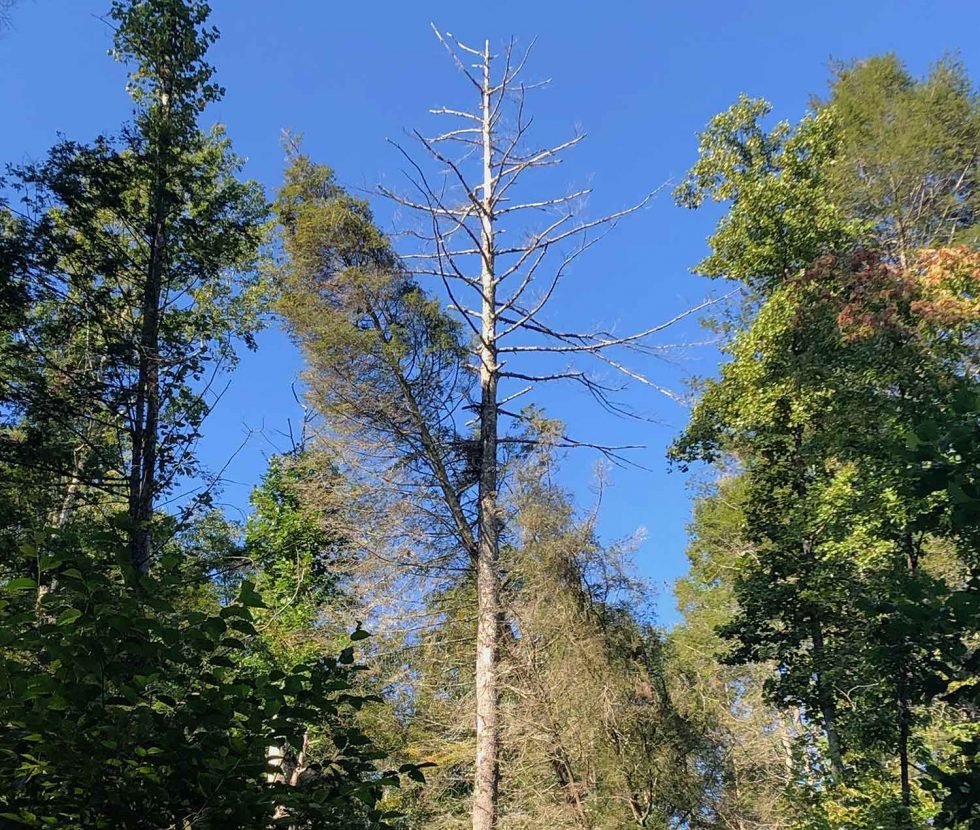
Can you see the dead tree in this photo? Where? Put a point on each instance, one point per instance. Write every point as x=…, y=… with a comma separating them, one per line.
x=500, y=256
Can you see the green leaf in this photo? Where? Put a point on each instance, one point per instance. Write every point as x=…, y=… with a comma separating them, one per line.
x=68, y=616
x=20, y=584
x=244, y=626
x=249, y=597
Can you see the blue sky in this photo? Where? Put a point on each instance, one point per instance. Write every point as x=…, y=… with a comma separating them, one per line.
x=641, y=78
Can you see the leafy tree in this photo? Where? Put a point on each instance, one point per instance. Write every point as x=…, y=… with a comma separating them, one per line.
x=137, y=253
x=910, y=151
x=123, y=711
x=843, y=352
x=133, y=695
x=780, y=214
x=757, y=755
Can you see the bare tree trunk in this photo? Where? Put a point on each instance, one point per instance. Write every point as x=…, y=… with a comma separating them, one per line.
x=275, y=761
x=283, y=768
x=487, y=771
x=539, y=240
x=788, y=730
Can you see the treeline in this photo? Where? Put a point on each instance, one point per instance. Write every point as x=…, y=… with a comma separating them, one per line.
x=418, y=626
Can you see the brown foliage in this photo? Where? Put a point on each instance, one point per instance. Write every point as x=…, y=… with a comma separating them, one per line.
x=936, y=294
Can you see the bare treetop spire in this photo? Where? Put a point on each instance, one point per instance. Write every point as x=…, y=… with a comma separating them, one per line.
x=533, y=240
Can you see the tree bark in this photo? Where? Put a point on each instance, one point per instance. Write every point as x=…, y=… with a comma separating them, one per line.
x=904, y=729
x=146, y=424
x=902, y=690
x=827, y=709
x=146, y=416
x=487, y=767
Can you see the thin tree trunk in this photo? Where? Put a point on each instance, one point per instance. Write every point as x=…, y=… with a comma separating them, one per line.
x=146, y=421
x=902, y=690
x=786, y=739
x=827, y=708
x=570, y=786
x=146, y=426
x=487, y=767
x=904, y=728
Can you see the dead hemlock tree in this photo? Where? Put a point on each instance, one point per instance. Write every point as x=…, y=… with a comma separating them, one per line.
x=500, y=286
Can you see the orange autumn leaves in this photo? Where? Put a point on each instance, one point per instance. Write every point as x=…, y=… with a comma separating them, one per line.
x=950, y=281
x=937, y=294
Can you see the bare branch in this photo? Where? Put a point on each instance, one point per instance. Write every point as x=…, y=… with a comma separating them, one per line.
x=585, y=226
x=452, y=53
x=458, y=114
x=595, y=344
x=545, y=203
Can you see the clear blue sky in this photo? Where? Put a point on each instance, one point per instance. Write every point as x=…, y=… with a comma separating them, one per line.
x=641, y=78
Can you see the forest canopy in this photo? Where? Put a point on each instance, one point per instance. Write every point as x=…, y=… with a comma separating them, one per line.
x=420, y=623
